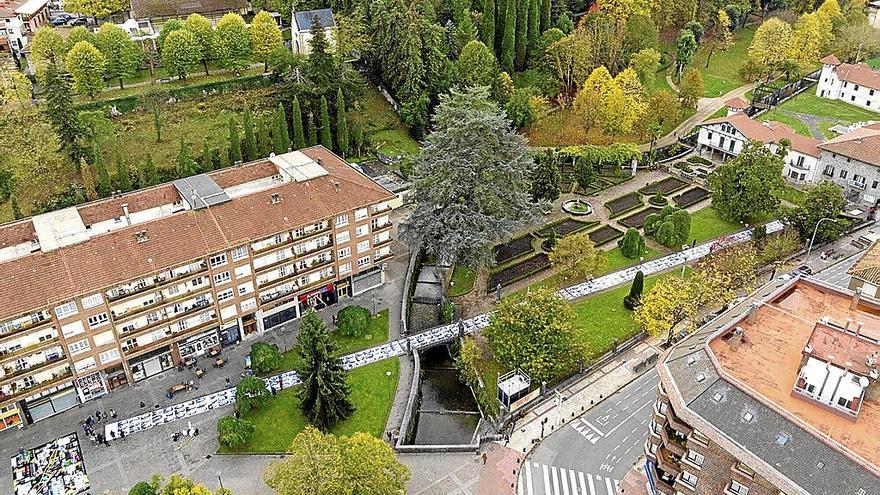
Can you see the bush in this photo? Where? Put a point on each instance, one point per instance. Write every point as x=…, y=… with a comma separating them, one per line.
x=5, y=185
x=657, y=199
x=233, y=432
x=250, y=393
x=699, y=160
x=353, y=320
x=632, y=245
x=264, y=357
x=652, y=221
x=142, y=488
x=633, y=299
x=447, y=312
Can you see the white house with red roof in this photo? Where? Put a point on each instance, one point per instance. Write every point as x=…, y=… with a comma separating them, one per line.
x=856, y=84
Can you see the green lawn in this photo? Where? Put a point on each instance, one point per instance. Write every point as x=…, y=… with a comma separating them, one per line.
x=462, y=281
x=722, y=112
x=795, y=123
x=372, y=393
x=722, y=75
x=706, y=224
x=808, y=103
x=382, y=125
x=825, y=126
x=376, y=333
x=792, y=195
x=617, y=261
x=197, y=77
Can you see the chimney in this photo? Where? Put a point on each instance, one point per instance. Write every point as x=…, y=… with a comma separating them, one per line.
x=859, y=326
x=736, y=338
x=319, y=160
x=125, y=212
x=336, y=185
x=753, y=314
x=857, y=296
x=847, y=324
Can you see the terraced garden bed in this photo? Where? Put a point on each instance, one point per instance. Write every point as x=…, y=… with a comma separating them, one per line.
x=665, y=186
x=690, y=197
x=624, y=203
x=513, y=248
x=605, y=234
x=566, y=227
x=637, y=220
x=518, y=271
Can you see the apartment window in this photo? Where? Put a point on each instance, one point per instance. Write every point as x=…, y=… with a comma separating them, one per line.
x=363, y=246
x=364, y=261
x=871, y=92
x=221, y=278
x=362, y=230
x=710, y=136
x=852, y=98
x=97, y=320
x=731, y=145
x=92, y=301
x=197, y=281
x=655, y=427
x=360, y=214
x=694, y=458
x=343, y=237
x=345, y=268
x=344, y=253
x=79, y=346
x=239, y=253
x=856, y=88
x=245, y=288
x=341, y=220
x=736, y=488
x=109, y=356
x=65, y=310
x=662, y=408
x=744, y=470
x=699, y=438
x=874, y=185
x=224, y=295
x=843, y=174
x=218, y=260
x=242, y=271
x=689, y=478
x=248, y=305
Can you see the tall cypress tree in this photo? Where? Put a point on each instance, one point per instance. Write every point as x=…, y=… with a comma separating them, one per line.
x=500, y=25
x=487, y=29
x=546, y=7
x=104, y=185
x=234, y=144
x=342, y=141
x=206, y=162
x=186, y=166
x=326, y=135
x=522, y=32
x=280, y=135
x=149, y=174
x=324, y=391
x=263, y=144
x=121, y=179
x=534, y=28
x=312, y=132
x=508, y=44
x=250, y=138
x=299, y=138
x=60, y=111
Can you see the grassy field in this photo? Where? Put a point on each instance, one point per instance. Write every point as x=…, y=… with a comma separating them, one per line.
x=564, y=128
x=792, y=195
x=722, y=75
x=617, y=261
x=795, y=123
x=197, y=77
x=462, y=281
x=808, y=103
x=382, y=124
x=706, y=224
x=372, y=393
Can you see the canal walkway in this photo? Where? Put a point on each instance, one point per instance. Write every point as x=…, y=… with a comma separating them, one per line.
x=429, y=338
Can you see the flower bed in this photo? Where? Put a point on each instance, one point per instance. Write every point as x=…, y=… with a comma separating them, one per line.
x=566, y=227
x=665, y=186
x=699, y=160
x=566, y=185
x=637, y=220
x=624, y=203
x=513, y=248
x=690, y=197
x=604, y=234
x=518, y=271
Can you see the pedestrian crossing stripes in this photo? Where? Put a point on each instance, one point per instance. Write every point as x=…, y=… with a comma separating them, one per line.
x=542, y=479
x=588, y=431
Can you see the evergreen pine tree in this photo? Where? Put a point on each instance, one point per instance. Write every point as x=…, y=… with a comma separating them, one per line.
x=522, y=32
x=320, y=65
x=16, y=210
x=104, y=186
x=532, y=51
x=61, y=112
x=121, y=179
x=186, y=166
x=87, y=173
x=250, y=138
x=324, y=391
x=342, y=141
x=326, y=136
x=312, y=131
x=508, y=44
x=263, y=144
x=546, y=7
x=280, y=135
x=205, y=160
x=299, y=138
x=357, y=138
x=149, y=174
x=234, y=144
x=500, y=25
x=631, y=301
x=487, y=29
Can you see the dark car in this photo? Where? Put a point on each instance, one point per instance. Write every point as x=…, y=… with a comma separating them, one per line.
x=77, y=21
x=59, y=21
x=806, y=270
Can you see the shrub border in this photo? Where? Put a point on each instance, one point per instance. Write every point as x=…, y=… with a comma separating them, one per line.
x=652, y=207
x=621, y=212
x=585, y=226
x=683, y=185
x=618, y=236
x=708, y=195
x=517, y=257
x=490, y=288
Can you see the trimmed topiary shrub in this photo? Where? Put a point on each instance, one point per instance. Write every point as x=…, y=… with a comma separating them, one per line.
x=657, y=199
x=633, y=299
x=353, y=320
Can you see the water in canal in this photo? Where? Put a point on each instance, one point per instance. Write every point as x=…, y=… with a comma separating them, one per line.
x=447, y=414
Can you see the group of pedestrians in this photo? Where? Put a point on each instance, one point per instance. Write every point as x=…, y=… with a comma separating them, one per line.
x=91, y=423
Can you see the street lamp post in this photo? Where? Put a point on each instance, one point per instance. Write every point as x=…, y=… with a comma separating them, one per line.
x=812, y=239
x=221, y=479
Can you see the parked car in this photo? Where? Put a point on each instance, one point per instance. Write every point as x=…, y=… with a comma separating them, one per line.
x=804, y=269
x=58, y=21
x=77, y=21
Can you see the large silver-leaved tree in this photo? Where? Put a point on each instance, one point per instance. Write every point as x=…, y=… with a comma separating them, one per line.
x=470, y=186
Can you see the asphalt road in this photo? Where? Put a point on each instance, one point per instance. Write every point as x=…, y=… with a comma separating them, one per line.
x=590, y=455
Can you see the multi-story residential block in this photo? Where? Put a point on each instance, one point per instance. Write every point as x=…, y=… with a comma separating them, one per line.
x=118, y=290
x=20, y=19
x=856, y=84
x=725, y=137
x=301, y=29
x=778, y=395
x=852, y=161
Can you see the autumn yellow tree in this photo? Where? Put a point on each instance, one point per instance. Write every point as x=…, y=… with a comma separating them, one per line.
x=634, y=96
x=770, y=46
x=571, y=60
x=691, y=88
x=602, y=103
x=576, y=257
x=670, y=301
x=726, y=273
x=831, y=10
x=618, y=10
x=810, y=37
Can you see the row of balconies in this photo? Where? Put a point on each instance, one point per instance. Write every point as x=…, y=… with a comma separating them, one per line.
x=28, y=322
x=12, y=372
x=8, y=355
x=160, y=300
x=171, y=332
x=314, y=265
x=164, y=278
x=168, y=316
x=19, y=391
x=294, y=257
x=292, y=237
x=294, y=289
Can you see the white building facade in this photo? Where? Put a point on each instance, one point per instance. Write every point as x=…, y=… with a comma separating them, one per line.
x=856, y=84
x=301, y=29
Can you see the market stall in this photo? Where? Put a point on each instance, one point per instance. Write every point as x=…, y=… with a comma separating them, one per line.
x=54, y=468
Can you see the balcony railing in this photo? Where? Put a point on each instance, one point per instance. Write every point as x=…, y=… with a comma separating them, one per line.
x=374, y=227
x=161, y=300
x=12, y=373
x=25, y=350
x=295, y=290
x=27, y=326
x=20, y=391
x=167, y=318
x=158, y=281
x=857, y=185
x=312, y=233
x=137, y=350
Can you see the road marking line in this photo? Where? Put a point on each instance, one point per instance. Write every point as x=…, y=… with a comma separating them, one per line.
x=546, y=479
x=583, y=484
x=574, y=483
x=519, y=485
x=634, y=429
x=608, y=486
x=616, y=485
x=625, y=439
x=627, y=419
x=593, y=427
x=531, y=491
x=555, y=480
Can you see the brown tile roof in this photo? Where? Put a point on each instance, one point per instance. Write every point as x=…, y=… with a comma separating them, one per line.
x=844, y=349
x=862, y=144
x=861, y=74
x=769, y=132
x=144, y=199
x=7, y=7
x=245, y=173
x=737, y=103
x=769, y=359
x=175, y=8
x=830, y=60
x=42, y=278
x=17, y=233
x=867, y=268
